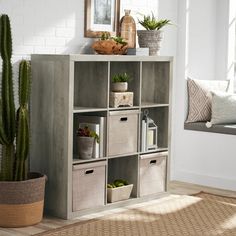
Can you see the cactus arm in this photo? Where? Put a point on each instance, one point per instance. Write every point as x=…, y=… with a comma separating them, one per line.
x=22, y=143
x=24, y=82
x=22, y=134
x=8, y=106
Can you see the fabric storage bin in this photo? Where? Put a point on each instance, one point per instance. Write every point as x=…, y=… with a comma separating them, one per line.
x=122, y=132
x=88, y=185
x=153, y=173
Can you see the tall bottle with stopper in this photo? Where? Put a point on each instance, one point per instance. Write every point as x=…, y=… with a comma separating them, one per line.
x=128, y=29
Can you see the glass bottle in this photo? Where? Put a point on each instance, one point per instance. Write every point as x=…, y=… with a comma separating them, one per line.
x=128, y=29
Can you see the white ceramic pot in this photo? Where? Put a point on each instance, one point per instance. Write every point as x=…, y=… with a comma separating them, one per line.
x=120, y=87
x=85, y=147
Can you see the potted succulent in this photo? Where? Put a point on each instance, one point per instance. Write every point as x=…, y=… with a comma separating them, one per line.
x=119, y=190
x=110, y=45
x=86, y=139
x=120, y=82
x=152, y=35
x=21, y=192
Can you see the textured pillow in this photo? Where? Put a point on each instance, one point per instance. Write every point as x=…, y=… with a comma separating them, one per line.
x=223, y=109
x=199, y=98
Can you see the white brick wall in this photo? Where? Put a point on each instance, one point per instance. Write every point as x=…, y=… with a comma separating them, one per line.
x=53, y=26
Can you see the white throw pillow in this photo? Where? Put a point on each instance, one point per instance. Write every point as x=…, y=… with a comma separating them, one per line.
x=223, y=109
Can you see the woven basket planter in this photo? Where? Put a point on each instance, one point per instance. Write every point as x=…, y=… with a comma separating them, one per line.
x=21, y=202
x=150, y=39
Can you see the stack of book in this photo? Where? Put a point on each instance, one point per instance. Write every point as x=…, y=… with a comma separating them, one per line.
x=96, y=124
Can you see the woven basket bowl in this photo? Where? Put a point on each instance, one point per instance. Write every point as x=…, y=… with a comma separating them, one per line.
x=21, y=202
x=109, y=47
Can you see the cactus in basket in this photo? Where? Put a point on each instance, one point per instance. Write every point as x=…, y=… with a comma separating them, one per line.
x=14, y=127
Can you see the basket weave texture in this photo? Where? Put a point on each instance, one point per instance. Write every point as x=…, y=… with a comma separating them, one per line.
x=21, y=202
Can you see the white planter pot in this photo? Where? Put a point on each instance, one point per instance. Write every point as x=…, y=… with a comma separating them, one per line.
x=120, y=87
x=150, y=39
x=85, y=147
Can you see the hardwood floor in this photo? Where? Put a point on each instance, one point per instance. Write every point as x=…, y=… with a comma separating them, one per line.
x=51, y=223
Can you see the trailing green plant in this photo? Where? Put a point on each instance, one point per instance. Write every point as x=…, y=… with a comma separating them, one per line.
x=124, y=77
x=152, y=23
x=14, y=126
x=86, y=132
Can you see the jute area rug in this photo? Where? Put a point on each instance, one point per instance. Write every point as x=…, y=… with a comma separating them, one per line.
x=199, y=215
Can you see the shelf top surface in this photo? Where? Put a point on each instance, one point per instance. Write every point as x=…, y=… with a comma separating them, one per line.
x=93, y=57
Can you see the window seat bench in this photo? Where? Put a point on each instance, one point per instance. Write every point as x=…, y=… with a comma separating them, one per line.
x=201, y=126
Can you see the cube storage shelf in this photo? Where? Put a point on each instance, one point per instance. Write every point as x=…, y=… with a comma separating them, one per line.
x=66, y=89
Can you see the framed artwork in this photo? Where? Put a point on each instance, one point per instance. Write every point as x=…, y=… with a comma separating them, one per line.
x=101, y=16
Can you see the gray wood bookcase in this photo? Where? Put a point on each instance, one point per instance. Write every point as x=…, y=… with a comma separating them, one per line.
x=65, y=87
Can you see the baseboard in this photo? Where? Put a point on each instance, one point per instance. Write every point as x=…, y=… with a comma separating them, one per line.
x=205, y=180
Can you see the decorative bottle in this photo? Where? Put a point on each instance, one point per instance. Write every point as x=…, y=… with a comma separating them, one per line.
x=128, y=29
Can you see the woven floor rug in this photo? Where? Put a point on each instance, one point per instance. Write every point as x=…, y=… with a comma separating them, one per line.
x=199, y=215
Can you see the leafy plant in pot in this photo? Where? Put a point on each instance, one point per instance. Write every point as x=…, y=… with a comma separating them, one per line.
x=120, y=82
x=152, y=36
x=86, y=139
x=21, y=192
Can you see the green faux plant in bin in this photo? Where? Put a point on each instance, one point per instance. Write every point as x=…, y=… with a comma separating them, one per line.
x=14, y=126
x=118, y=183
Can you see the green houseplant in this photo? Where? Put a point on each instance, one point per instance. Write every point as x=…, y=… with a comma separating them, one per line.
x=21, y=193
x=86, y=139
x=152, y=35
x=120, y=82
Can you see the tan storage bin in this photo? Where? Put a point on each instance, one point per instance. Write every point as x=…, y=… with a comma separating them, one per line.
x=88, y=185
x=153, y=173
x=122, y=132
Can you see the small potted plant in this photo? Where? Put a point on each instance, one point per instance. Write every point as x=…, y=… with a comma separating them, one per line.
x=152, y=36
x=107, y=45
x=86, y=139
x=119, y=190
x=120, y=82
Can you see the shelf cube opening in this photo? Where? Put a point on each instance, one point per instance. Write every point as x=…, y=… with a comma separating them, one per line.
x=125, y=168
x=91, y=84
x=155, y=82
x=133, y=70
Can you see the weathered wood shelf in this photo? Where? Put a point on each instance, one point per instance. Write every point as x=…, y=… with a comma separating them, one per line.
x=67, y=87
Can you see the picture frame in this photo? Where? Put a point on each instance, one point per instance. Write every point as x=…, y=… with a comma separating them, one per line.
x=101, y=16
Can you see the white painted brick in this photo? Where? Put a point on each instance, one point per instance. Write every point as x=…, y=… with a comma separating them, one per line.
x=34, y=41
x=23, y=50
x=55, y=41
x=65, y=32
x=46, y=32
x=44, y=50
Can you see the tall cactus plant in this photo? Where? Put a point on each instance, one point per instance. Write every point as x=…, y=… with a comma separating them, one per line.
x=14, y=128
